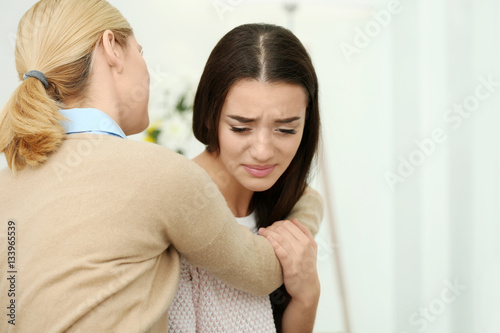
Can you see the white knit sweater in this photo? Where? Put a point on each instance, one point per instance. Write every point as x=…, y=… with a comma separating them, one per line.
x=205, y=304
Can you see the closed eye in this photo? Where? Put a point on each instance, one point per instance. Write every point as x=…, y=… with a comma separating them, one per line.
x=239, y=129
x=287, y=131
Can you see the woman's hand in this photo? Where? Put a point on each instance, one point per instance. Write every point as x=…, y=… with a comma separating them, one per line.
x=296, y=250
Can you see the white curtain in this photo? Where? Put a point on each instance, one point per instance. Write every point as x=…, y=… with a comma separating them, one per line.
x=411, y=126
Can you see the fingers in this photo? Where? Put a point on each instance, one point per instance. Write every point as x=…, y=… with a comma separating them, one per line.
x=293, y=237
x=297, y=254
x=290, y=260
x=307, y=234
x=303, y=228
x=281, y=253
x=283, y=238
x=293, y=228
x=275, y=225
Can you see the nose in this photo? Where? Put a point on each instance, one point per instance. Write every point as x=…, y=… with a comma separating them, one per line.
x=262, y=149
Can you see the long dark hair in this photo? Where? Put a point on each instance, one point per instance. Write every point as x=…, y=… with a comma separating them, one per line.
x=266, y=53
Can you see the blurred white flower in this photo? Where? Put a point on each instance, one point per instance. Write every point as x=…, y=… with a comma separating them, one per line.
x=171, y=115
x=175, y=131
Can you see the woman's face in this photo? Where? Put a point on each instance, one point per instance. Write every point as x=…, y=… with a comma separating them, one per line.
x=260, y=130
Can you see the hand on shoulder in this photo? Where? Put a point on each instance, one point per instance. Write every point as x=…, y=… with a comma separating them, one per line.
x=296, y=250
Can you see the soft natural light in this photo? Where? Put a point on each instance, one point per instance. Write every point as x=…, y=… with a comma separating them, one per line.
x=409, y=169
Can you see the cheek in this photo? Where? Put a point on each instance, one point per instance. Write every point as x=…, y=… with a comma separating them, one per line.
x=232, y=149
x=146, y=74
x=229, y=144
x=291, y=146
x=142, y=76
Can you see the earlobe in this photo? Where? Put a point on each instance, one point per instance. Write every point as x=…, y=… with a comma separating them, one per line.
x=112, y=51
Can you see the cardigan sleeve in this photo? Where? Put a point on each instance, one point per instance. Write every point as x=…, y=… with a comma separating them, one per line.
x=203, y=229
x=308, y=210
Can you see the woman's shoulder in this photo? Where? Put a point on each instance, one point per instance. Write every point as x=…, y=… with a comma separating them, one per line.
x=309, y=210
x=312, y=194
x=135, y=157
x=160, y=159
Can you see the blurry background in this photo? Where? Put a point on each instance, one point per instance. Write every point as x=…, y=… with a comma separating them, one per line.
x=410, y=99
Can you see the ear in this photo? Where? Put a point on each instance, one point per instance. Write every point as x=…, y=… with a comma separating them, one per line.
x=113, y=52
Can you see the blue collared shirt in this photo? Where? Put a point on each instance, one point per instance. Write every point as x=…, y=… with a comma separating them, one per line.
x=90, y=120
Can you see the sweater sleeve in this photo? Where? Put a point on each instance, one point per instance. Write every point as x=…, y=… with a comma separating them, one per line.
x=203, y=229
x=308, y=210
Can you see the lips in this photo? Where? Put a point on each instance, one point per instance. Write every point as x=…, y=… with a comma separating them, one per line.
x=259, y=170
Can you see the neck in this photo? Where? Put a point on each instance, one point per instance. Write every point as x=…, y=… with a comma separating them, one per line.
x=100, y=91
x=101, y=98
x=237, y=197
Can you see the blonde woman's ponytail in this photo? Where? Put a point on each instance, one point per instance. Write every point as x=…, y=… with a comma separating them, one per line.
x=30, y=128
x=56, y=38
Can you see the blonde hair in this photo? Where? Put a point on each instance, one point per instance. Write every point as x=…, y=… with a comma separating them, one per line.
x=57, y=38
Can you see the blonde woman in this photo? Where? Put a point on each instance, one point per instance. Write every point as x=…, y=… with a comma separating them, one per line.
x=93, y=223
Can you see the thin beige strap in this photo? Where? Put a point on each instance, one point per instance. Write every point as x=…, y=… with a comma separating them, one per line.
x=336, y=249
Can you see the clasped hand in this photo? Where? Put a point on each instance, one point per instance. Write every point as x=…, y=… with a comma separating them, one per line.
x=296, y=250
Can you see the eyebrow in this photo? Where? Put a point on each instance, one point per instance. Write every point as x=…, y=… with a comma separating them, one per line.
x=245, y=120
x=242, y=119
x=287, y=120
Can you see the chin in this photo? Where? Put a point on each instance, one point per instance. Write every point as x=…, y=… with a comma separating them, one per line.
x=138, y=128
x=144, y=125
x=259, y=187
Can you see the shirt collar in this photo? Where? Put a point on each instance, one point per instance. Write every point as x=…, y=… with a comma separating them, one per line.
x=90, y=120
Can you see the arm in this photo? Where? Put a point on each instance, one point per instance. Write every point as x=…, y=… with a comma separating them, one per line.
x=297, y=251
x=308, y=210
x=203, y=229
